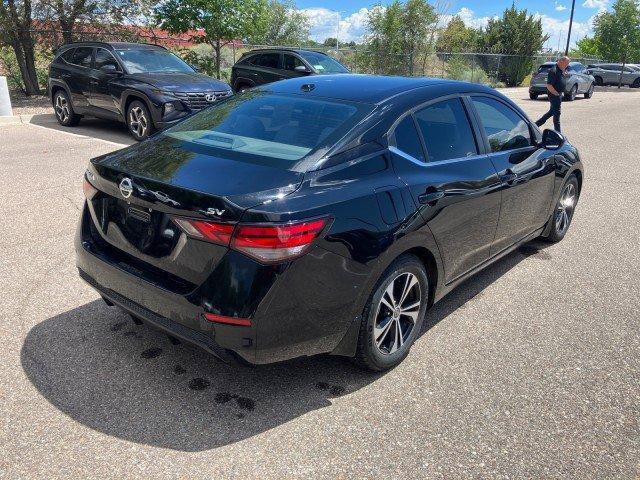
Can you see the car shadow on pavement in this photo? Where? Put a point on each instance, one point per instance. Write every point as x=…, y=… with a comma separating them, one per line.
x=135, y=383
x=106, y=130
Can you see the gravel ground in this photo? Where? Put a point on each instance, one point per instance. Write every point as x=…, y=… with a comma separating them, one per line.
x=529, y=370
x=33, y=105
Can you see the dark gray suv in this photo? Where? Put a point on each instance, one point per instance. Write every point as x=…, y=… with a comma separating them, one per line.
x=578, y=81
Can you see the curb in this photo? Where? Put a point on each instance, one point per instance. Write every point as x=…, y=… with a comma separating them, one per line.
x=12, y=120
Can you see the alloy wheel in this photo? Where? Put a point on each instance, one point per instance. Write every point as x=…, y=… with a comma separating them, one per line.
x=564, y=212
x=62, y=109
x=138, y=121
x=397, y=313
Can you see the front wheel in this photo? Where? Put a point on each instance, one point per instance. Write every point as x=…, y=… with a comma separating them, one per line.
x=589, y=92
x=393, y=317
x=563, y=213
x=571, y=96
x=139, y=121
x=533, y=96
x=636, y=83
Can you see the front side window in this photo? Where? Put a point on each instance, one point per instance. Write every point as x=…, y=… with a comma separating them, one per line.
x=505, y=129
x=82, y=56
x=268, y=129
x=322, y=63
x=68, y=55
x=407, y=138
x=291, y=62
x=104, y=57
x=446, y=131
x=152, y=60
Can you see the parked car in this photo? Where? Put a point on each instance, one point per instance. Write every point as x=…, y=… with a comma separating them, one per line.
x=321, y=215
x=259, y=67
x=578, y=81
x=145, y=86
x=609, y=74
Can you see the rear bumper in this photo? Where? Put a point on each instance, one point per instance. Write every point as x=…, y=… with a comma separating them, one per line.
x=297, y=309
x=539, y=89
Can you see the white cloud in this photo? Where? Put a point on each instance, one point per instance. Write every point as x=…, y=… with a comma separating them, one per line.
x=600, y=5
x=470, y=20
x=324, y=24
x=559, y=7
x=558, y=29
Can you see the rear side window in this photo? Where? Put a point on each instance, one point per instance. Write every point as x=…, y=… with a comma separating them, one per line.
x=67, y=56
x=505, y=129
x=407, y=138
x=446, y=131
x=82, y=56
x=267, y=60
x=291, y=62
x=275, y=130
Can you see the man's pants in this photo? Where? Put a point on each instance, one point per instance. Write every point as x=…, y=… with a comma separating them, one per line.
x=554, y=112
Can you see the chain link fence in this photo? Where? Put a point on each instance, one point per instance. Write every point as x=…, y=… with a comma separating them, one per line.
x=495, y=69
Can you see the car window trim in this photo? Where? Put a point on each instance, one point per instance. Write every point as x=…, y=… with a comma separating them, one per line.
x=391, y=137
x=483, y=132
x=95, y=54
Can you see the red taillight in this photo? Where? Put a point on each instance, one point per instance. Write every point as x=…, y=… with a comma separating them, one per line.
x=219, y=233
x=274, y=243
x=88, y=189
x=241, y=322
x=265, y=243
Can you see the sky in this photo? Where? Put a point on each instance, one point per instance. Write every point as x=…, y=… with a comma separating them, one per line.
x=352, y=14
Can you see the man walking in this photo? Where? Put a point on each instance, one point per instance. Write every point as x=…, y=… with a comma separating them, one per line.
x=555, y=88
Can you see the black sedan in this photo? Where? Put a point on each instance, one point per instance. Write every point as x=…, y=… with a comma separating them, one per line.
x=321, y=215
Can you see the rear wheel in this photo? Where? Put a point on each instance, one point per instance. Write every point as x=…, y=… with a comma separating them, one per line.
x=589, y=92
x=139, y=121
x=394, y=315
x=533, y=96
x=598, y=80
x=572, y=93
x=563, y=213
x=636, y=83
x=64, y=110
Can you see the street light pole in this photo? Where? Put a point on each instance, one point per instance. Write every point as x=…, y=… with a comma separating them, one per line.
x=573, y=7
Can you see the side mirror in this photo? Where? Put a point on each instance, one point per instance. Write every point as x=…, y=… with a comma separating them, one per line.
x=552, y=140
x=109, y=69
x=301, y=69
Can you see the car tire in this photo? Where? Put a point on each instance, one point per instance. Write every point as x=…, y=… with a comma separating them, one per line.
x=533, y=96
x=560, y=220
x=64, y=110
x=571, y=96
x=394, y=314
x=598, y=80
x=636, y=83
x=139, y=121
x=589, y=92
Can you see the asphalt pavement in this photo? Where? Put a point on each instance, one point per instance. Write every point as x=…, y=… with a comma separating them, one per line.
x=529, y=370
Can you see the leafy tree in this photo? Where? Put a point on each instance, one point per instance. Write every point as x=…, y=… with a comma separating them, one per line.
x=397, y=35
x=617, y=33
x=16, y=23
x=330, y=42
x=284, y=25
x=457, y=37
x=518, y=35
x=586, y=47
x=220, y=21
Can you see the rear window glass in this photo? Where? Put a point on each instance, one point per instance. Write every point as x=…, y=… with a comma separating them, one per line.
x=276, y=130
x=544, y=68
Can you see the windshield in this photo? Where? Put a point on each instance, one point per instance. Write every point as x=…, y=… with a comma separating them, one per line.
x=323, y=63
x=147, y=60
x=274, y=130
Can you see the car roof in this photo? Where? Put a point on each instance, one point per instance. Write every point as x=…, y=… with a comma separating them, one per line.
x=284, y=49
x=371, y=89
x=114, y=45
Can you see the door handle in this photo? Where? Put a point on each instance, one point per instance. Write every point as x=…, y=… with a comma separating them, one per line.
x=509, y=177
x=430, y=198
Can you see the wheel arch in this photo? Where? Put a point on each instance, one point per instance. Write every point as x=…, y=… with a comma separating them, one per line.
x=130, y=96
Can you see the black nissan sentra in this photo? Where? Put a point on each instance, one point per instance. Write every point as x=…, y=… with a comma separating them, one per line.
x=321, y=215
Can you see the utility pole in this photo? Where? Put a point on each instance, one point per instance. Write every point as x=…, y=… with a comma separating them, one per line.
x=573, y=7
x=337, y=31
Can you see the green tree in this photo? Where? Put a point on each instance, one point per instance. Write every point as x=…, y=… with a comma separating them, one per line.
x=586, y=47
x=457, y=37
x=397, y=35
x=16, y=24
x=519, y=36
x=617, y=33
x=221, y=21
x=284, y=25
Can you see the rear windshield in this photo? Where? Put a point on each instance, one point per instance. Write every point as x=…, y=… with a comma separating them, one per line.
x=269, y=129
x=544, y=68
x=323, y=63
x=145, y=60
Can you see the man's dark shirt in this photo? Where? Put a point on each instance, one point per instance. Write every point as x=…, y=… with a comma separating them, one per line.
x=556, y=79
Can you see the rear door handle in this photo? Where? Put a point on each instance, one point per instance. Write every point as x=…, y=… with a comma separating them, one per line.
x=430, y=198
